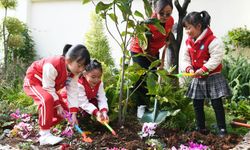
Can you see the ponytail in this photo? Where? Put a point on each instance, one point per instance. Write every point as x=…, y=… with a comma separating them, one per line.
x=205, y=19
x=195, y=18
x=66, y=49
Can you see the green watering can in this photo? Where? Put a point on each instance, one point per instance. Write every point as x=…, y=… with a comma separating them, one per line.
x=155, y=116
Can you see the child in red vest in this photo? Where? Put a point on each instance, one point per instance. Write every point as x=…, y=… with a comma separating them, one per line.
x=45, y=77
x=204, y=54
x=92, y=99
x=92, y=95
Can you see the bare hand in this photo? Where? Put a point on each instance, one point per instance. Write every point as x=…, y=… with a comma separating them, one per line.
x=198, y=72
x=74, y=119
x=60, y=110
x=105, y=116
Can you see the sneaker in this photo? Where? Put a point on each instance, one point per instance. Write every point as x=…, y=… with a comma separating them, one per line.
x=222, y=132
x=49, y=139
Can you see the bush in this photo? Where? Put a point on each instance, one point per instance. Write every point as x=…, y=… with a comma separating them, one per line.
x=237, y=39
x=237, y=72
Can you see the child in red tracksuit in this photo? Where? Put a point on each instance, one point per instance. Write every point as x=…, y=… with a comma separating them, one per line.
x=92, y=99
x=45, y=77
x=204, y=54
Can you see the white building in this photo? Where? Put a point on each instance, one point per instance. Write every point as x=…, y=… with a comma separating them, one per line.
x=54, y=23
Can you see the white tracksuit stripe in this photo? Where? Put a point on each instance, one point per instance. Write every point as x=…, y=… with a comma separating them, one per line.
x=43, y=108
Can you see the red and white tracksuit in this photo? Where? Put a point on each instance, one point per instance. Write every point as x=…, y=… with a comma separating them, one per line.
x=44, y=78
x=205, y=53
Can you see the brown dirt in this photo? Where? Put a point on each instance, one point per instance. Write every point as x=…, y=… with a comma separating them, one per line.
x=128, y=138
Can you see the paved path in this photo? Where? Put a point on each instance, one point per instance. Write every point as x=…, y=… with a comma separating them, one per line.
x=245, y=144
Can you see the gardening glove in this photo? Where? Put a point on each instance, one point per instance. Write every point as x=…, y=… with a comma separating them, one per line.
x=60, y=110
x=105, y=116
x=74, y=119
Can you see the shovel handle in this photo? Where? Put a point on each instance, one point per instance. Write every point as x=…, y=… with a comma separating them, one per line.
x=240, y=124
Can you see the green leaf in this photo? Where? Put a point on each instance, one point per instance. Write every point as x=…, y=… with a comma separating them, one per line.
x=154, y=64
x=85, y=1
x=143, y=42
x=160, y=28
x=102, y=7
x=138, y=14
x=152, y=85
x=7, y=123
x=131, y=24
x=113, y=17
x=147, y=8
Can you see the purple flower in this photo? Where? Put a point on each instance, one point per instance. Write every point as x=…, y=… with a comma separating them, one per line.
x=24, y=129
x=196, y=146
x=15, y=115
x=116, y=148
x=148, y=129
x=67, y=116
x=68, y=132
x=25, y=117
x=191, y=146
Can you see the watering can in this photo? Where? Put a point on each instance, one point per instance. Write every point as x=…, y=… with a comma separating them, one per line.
x=155, y=116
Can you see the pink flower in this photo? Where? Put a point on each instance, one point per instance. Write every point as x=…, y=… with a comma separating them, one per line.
x=55, y=130
x=67, y=116
x=25, y=117
x=68, y=132
x=24, y=129
x=16, y=115
x=191, y=146
x=148, y=129
x=116, y=148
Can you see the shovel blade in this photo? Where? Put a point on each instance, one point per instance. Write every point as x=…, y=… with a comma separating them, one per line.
x=156, y=118
x=161, y=116
x=147, y=117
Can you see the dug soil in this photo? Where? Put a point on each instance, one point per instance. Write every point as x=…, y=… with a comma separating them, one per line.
x=129, y=138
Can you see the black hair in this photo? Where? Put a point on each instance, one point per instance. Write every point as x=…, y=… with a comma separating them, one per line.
x=78, y=53
x=160, y=4
x=195, y=18
x=66, y=48
x=94, y=64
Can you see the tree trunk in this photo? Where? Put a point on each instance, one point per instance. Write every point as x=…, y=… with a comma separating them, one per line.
x=5, y=44
x=174, y=48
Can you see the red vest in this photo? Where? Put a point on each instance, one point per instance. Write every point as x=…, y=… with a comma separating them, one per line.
x=157, y=41
x=36, y=69
x=90, y=92
x=199, y=52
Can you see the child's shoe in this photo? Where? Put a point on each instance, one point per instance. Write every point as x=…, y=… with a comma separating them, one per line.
x=49, y=139
x=222, y=132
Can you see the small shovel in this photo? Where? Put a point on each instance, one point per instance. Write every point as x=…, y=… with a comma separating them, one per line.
x=184, y=74
x=239, y=123
x=84, y=136
x=108, y=126
x=155, y=116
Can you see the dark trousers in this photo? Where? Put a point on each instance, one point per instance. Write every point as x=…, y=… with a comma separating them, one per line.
x=200, y=115
x=141, y=97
